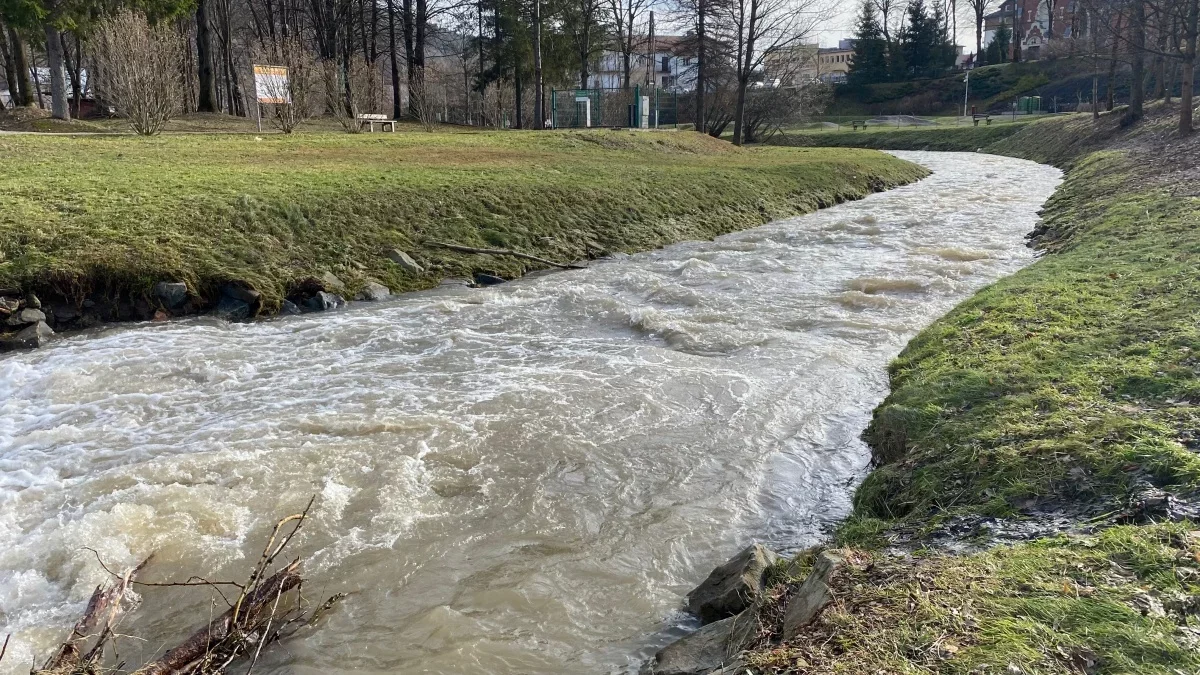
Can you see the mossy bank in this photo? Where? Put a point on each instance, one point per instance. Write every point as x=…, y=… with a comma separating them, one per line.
x=1033, y=502
x=100, y=220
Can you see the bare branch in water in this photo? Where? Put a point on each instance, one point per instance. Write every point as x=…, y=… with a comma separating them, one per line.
x=264, y=612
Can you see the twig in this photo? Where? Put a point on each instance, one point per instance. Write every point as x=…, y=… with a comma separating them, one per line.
x=503, y=251
x=5, y=647
x=268, y=556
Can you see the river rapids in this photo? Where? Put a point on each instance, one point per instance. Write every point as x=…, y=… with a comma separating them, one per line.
x=520, y=479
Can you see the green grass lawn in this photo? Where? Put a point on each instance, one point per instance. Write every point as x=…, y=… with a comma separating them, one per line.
x=115, y=214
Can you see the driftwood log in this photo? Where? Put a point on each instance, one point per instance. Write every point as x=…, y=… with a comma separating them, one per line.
x=268, y=608
x=503, y=251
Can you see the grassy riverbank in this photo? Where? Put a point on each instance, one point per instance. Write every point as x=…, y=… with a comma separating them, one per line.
x=114, y=215
x=1056, y=408
x=954, y=139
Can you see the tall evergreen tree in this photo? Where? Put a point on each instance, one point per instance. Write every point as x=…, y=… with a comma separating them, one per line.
x=997, y=49
x=925, y=46
x=869, y=63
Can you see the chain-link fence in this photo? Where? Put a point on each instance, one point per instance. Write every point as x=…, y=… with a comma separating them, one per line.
x=633, y=108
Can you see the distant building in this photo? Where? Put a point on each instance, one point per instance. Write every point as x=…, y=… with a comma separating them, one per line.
x=672, y=67
x=833, y=63
x=792, y=66
x=1031, y=25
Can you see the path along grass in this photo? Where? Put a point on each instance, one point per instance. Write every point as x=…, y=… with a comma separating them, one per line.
x=111, y=214
x=1067, y=387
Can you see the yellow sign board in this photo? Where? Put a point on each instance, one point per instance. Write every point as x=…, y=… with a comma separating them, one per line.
x=271, y=84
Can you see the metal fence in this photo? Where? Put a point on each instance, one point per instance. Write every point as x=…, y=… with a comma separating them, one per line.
x=634, y=108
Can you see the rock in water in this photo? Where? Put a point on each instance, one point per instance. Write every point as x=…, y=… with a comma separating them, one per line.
x=711, y=648
x=251, y=297
x=26, y=316
x=405, y=261
x=813, y=595
x=322, y=301
x=374, y=292
x=170, y=294
x=482, y=279
x=31, y=337
x=288, y=308
x=232, y=309
x=732, y=587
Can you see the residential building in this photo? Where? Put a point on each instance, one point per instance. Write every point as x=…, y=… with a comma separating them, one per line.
x=1033, y=25
x=672, y=66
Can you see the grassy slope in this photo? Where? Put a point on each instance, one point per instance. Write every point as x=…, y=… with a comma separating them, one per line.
x=992, y=88
x=953, y=139
x=80, y=214
x=1059, y=387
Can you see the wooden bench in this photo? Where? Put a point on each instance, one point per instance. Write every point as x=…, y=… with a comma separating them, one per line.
x=369, y=120
x=987, y=119
x=857, y=123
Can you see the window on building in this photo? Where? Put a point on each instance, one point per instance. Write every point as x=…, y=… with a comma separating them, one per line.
x=666, y=64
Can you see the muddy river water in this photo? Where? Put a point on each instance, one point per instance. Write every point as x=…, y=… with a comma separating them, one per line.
x=521, y=479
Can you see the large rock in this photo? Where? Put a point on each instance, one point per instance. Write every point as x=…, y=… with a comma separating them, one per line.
x=232, y=309
x=484, y=279
x=322, y=301
x=709, y=649
x=732, y=587
x=331, y=283
x=26, y=316
x=240, y=293
x=813, y=595
x=405, y=261
x=171, y=294
x=31, y=337
x=374, y=292
x=63, y=314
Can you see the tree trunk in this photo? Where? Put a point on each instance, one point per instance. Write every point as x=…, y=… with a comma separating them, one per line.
x=1185, y=91
x=1137, y=75
x=10, y=73
x=1188, y=81
x=978, y=36
x=700, y=58
x=207, y=101
x=395, y=61
x=422, y=21
x=406, y=9
x=24, y=93
x=73, y=66
x=1111, y=93
x=1160, y=76
x=58, y=76
x=739, y=112
x=520, y=100
x=539, y=104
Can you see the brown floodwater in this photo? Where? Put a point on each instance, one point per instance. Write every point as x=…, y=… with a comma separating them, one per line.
x=521, y=479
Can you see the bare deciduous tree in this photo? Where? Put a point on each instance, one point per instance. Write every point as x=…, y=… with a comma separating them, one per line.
x=424, y=100
x=760, y=28
x=138, y=69
x=347, y=91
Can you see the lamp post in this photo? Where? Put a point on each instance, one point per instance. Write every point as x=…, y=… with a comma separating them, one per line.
x=966, y=91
